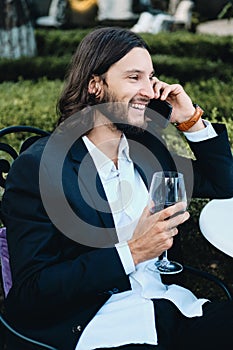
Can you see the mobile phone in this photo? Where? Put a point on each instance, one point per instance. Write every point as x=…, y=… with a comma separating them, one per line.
x=159, y=112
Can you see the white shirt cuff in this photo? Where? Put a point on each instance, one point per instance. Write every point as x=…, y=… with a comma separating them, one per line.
x=207, y=133
x=126, y=257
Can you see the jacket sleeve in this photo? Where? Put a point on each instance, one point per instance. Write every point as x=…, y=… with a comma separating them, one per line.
x=210, y=173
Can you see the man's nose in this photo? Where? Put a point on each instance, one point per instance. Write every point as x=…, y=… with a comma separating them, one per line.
x=147, y=90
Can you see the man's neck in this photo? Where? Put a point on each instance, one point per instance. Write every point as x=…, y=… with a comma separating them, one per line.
x=106, y=137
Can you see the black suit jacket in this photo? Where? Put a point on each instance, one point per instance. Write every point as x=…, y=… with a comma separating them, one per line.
x=61, y=280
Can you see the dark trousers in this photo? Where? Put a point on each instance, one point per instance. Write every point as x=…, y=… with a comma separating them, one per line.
x=212, y=331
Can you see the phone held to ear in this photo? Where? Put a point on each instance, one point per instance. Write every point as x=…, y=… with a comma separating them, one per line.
x=159, y=112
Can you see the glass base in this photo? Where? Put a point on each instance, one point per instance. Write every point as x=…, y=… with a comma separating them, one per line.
x=165, y=266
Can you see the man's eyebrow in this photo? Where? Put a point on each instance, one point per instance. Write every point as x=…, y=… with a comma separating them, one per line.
x=130, y=71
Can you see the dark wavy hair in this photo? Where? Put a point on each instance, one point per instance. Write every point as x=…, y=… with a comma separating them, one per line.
x=96, y=53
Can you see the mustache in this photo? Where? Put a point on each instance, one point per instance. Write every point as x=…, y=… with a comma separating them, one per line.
x=117, y=112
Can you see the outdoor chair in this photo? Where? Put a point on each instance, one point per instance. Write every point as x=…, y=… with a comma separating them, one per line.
x=26, y=135
x=150, y=22
x=8, y=153
x=183, y=14
x=56, y=15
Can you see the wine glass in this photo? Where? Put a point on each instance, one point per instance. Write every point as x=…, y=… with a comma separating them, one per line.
x=167, y=188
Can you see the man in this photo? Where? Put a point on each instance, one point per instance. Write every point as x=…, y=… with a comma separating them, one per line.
x=79, y=231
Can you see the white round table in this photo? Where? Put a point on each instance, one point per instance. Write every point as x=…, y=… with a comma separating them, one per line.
x=216, y=224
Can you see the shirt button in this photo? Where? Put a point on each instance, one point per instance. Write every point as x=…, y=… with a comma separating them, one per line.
x=76, y=329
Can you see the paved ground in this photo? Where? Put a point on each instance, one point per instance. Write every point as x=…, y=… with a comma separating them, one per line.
x=216, y=27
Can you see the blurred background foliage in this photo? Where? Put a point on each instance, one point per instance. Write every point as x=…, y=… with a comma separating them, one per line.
x=30, y=87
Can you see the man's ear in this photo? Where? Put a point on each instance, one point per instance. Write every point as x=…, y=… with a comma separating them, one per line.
x=95, y=86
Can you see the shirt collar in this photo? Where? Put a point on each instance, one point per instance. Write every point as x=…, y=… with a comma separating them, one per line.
x=124, y=148
x=105, y=166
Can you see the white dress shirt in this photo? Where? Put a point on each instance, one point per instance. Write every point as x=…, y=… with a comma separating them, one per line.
x=129, y=316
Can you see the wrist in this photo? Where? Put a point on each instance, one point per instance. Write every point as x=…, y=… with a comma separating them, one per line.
x=135, y=251
x=199, y=125
x=194, y=122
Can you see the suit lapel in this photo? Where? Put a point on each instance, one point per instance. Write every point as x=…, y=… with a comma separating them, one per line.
x=90, y=184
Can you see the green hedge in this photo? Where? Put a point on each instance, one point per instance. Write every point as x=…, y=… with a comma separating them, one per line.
x=181, y=68
x=58, y=42
x=181, y=55
x=180, y=43
x=33, y=68
x=185, y=44
x=191, y=69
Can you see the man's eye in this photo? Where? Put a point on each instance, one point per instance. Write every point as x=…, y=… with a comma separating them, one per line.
x=134, y=77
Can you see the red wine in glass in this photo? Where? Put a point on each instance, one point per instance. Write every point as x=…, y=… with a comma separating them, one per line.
x=167, y=188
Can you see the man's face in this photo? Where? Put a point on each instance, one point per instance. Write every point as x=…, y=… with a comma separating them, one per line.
x=129, y=81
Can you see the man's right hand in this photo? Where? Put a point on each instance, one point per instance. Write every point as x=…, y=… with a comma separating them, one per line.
x=154, y=232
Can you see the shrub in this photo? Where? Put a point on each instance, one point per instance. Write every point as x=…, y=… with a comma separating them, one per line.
x=215, y=96
x=182, y=69
x=58, y=42
x=185, y=44
x=180, y=43
x=33, y=68
x=29, y=103
x=191, y=69
x=181, y=55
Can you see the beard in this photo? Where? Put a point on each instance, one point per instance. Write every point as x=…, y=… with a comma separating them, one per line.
x=117, y=113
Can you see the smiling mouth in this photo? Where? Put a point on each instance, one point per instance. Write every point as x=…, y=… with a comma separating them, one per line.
x=138, y=106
